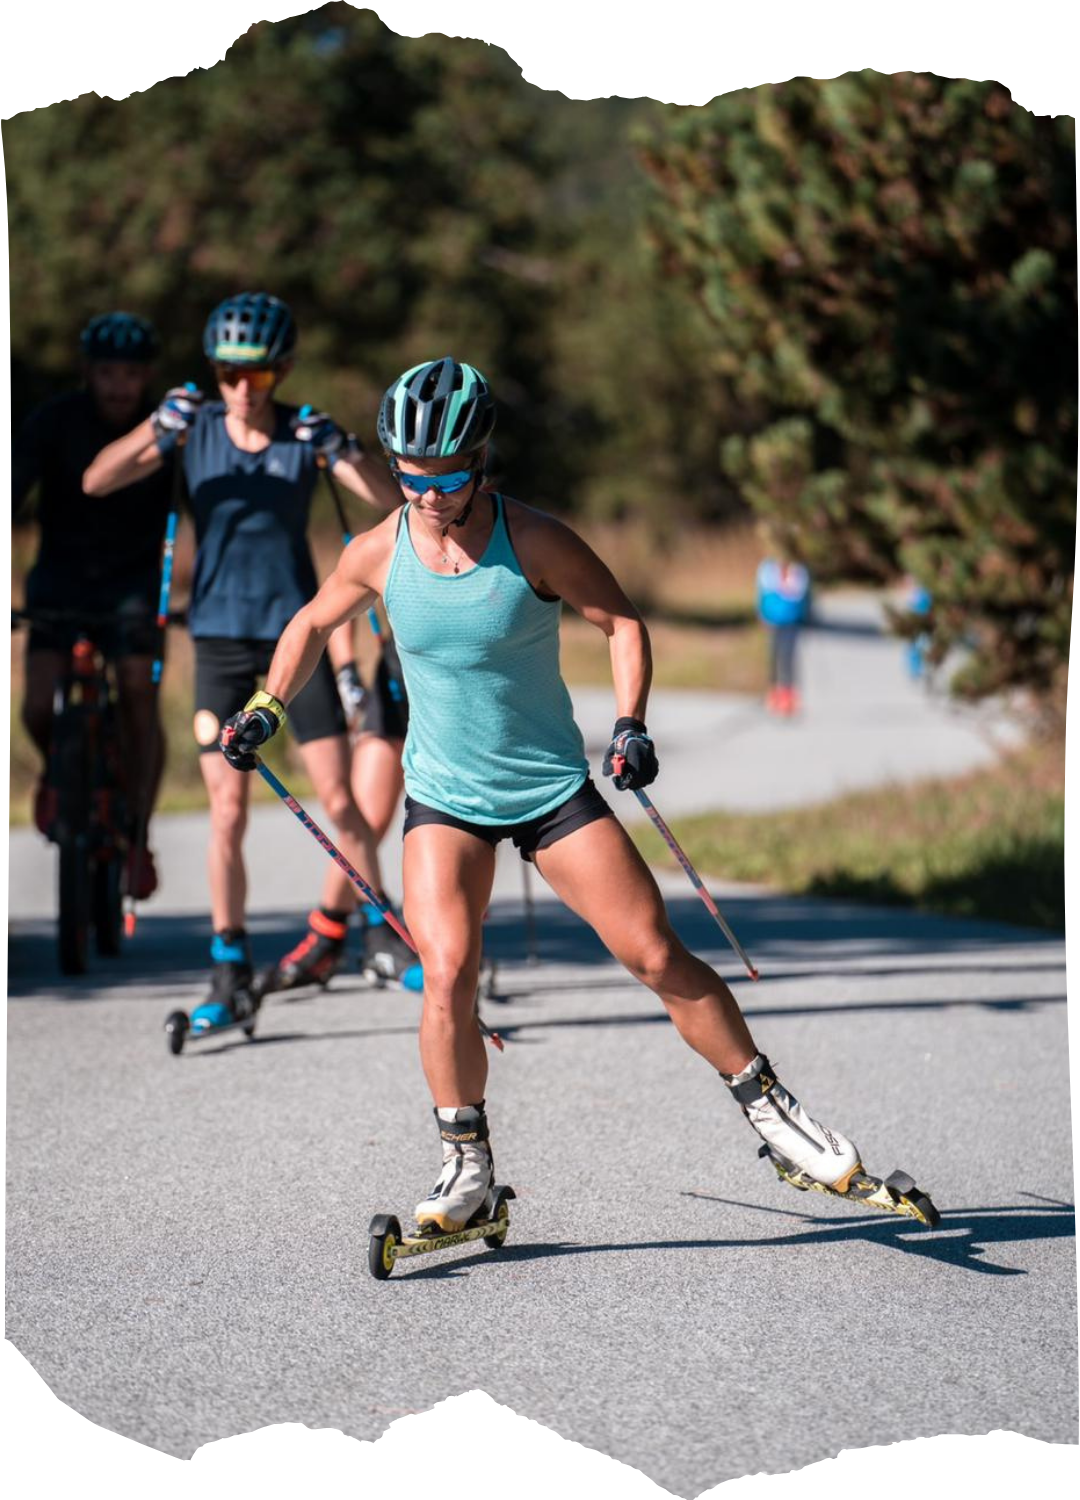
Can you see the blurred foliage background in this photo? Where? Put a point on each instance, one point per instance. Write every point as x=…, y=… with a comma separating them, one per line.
x=847, y=307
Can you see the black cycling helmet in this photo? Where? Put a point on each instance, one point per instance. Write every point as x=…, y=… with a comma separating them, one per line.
x=120, y=336
x=436, y=410
x=250, y=329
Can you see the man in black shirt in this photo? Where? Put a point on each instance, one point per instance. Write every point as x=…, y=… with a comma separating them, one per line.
x=103, y=558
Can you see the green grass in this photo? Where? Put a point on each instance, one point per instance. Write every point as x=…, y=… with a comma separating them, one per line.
x=989, y=845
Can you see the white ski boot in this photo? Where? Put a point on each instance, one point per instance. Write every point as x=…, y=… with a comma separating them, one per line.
x=792, y=1137
x=463, y=1192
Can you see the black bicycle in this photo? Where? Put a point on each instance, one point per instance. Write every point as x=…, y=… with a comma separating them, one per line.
x=90, y=813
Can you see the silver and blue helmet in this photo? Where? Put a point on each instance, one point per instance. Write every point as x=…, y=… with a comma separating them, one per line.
x=436, y=410
x=120, y=336
x=252, y=328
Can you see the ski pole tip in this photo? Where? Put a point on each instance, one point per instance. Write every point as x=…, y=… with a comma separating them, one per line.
x=129, y=924
x=755, y=974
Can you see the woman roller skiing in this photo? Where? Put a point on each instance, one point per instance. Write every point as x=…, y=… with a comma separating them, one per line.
x=473, y=583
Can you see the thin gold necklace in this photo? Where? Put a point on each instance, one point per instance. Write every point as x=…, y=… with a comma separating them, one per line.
x=466, y=512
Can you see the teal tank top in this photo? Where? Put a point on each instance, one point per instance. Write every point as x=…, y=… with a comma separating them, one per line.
x=491, y=735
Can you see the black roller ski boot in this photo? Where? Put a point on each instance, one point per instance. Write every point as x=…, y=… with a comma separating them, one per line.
x=811, y=1157
x=232, y=1000
x=315, y=960
x=386, y=959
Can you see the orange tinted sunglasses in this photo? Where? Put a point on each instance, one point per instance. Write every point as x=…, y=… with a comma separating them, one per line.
x=257, y=379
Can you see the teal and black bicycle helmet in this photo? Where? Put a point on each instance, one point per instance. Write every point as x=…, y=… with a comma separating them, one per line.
x=120, y=336
x=250, y=329
x=436, y=410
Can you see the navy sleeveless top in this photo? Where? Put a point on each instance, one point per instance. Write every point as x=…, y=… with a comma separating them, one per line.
x=253, y=567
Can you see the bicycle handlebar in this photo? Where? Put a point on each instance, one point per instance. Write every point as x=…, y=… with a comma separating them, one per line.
x=86, y=618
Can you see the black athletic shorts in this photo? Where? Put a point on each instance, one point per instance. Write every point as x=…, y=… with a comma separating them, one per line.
x=227, y=672
x=387, y=710
x=585, y=806
x=132, y=629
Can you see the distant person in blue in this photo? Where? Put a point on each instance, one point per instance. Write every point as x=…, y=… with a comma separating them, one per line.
x=251, y=466
x=783, y=598
x=917, y=601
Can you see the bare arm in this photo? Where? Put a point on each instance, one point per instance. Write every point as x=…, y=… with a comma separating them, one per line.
x=342, y=650
x=370, y=480
x=351, y=587
x=130, y=458
x=568, y=567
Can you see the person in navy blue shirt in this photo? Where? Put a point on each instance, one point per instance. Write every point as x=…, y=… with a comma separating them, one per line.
x=251, y=465
x=104, y=559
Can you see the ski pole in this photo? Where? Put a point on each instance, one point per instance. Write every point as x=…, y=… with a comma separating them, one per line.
x=354, y=875
x=670, y=840
x=171, y=524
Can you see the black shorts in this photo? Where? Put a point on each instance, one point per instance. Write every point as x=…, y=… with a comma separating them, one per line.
x=585, y=806
x=387, y=711
x=227, y=672
x=132, y=629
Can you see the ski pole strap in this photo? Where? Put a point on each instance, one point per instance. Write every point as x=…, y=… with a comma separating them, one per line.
x=270, y=703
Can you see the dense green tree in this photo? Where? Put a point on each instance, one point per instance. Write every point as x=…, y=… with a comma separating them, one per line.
x=392, y=190
x=889, y=268
x=408, y=197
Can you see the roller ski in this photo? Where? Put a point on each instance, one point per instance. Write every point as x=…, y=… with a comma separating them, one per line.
x=811, y=1157
x=317, y=957
x=232, y=1003
x=464, y=1205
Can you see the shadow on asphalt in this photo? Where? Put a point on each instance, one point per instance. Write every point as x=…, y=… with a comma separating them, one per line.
x=172, y=951
x=961, y=1239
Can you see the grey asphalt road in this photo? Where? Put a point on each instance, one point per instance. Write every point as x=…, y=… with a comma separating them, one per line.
x=187, y=1236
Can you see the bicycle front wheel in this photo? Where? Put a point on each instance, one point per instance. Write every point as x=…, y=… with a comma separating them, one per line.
x=74, y=922
x=108, y=906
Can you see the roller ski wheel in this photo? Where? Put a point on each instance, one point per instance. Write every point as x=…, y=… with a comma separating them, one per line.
x=181, y=1028
x=387, y=1245
x=230, y=1006
x=177, y=1027
x=895, y=1194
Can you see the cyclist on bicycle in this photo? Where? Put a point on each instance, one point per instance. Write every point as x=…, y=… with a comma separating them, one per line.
x=251, y=465
x=104, y=559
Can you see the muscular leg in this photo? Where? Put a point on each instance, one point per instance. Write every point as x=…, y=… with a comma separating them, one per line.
x=327, y=763
x=377, y=781
x=229, y=793
x=448, y=876
x=627, y=912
